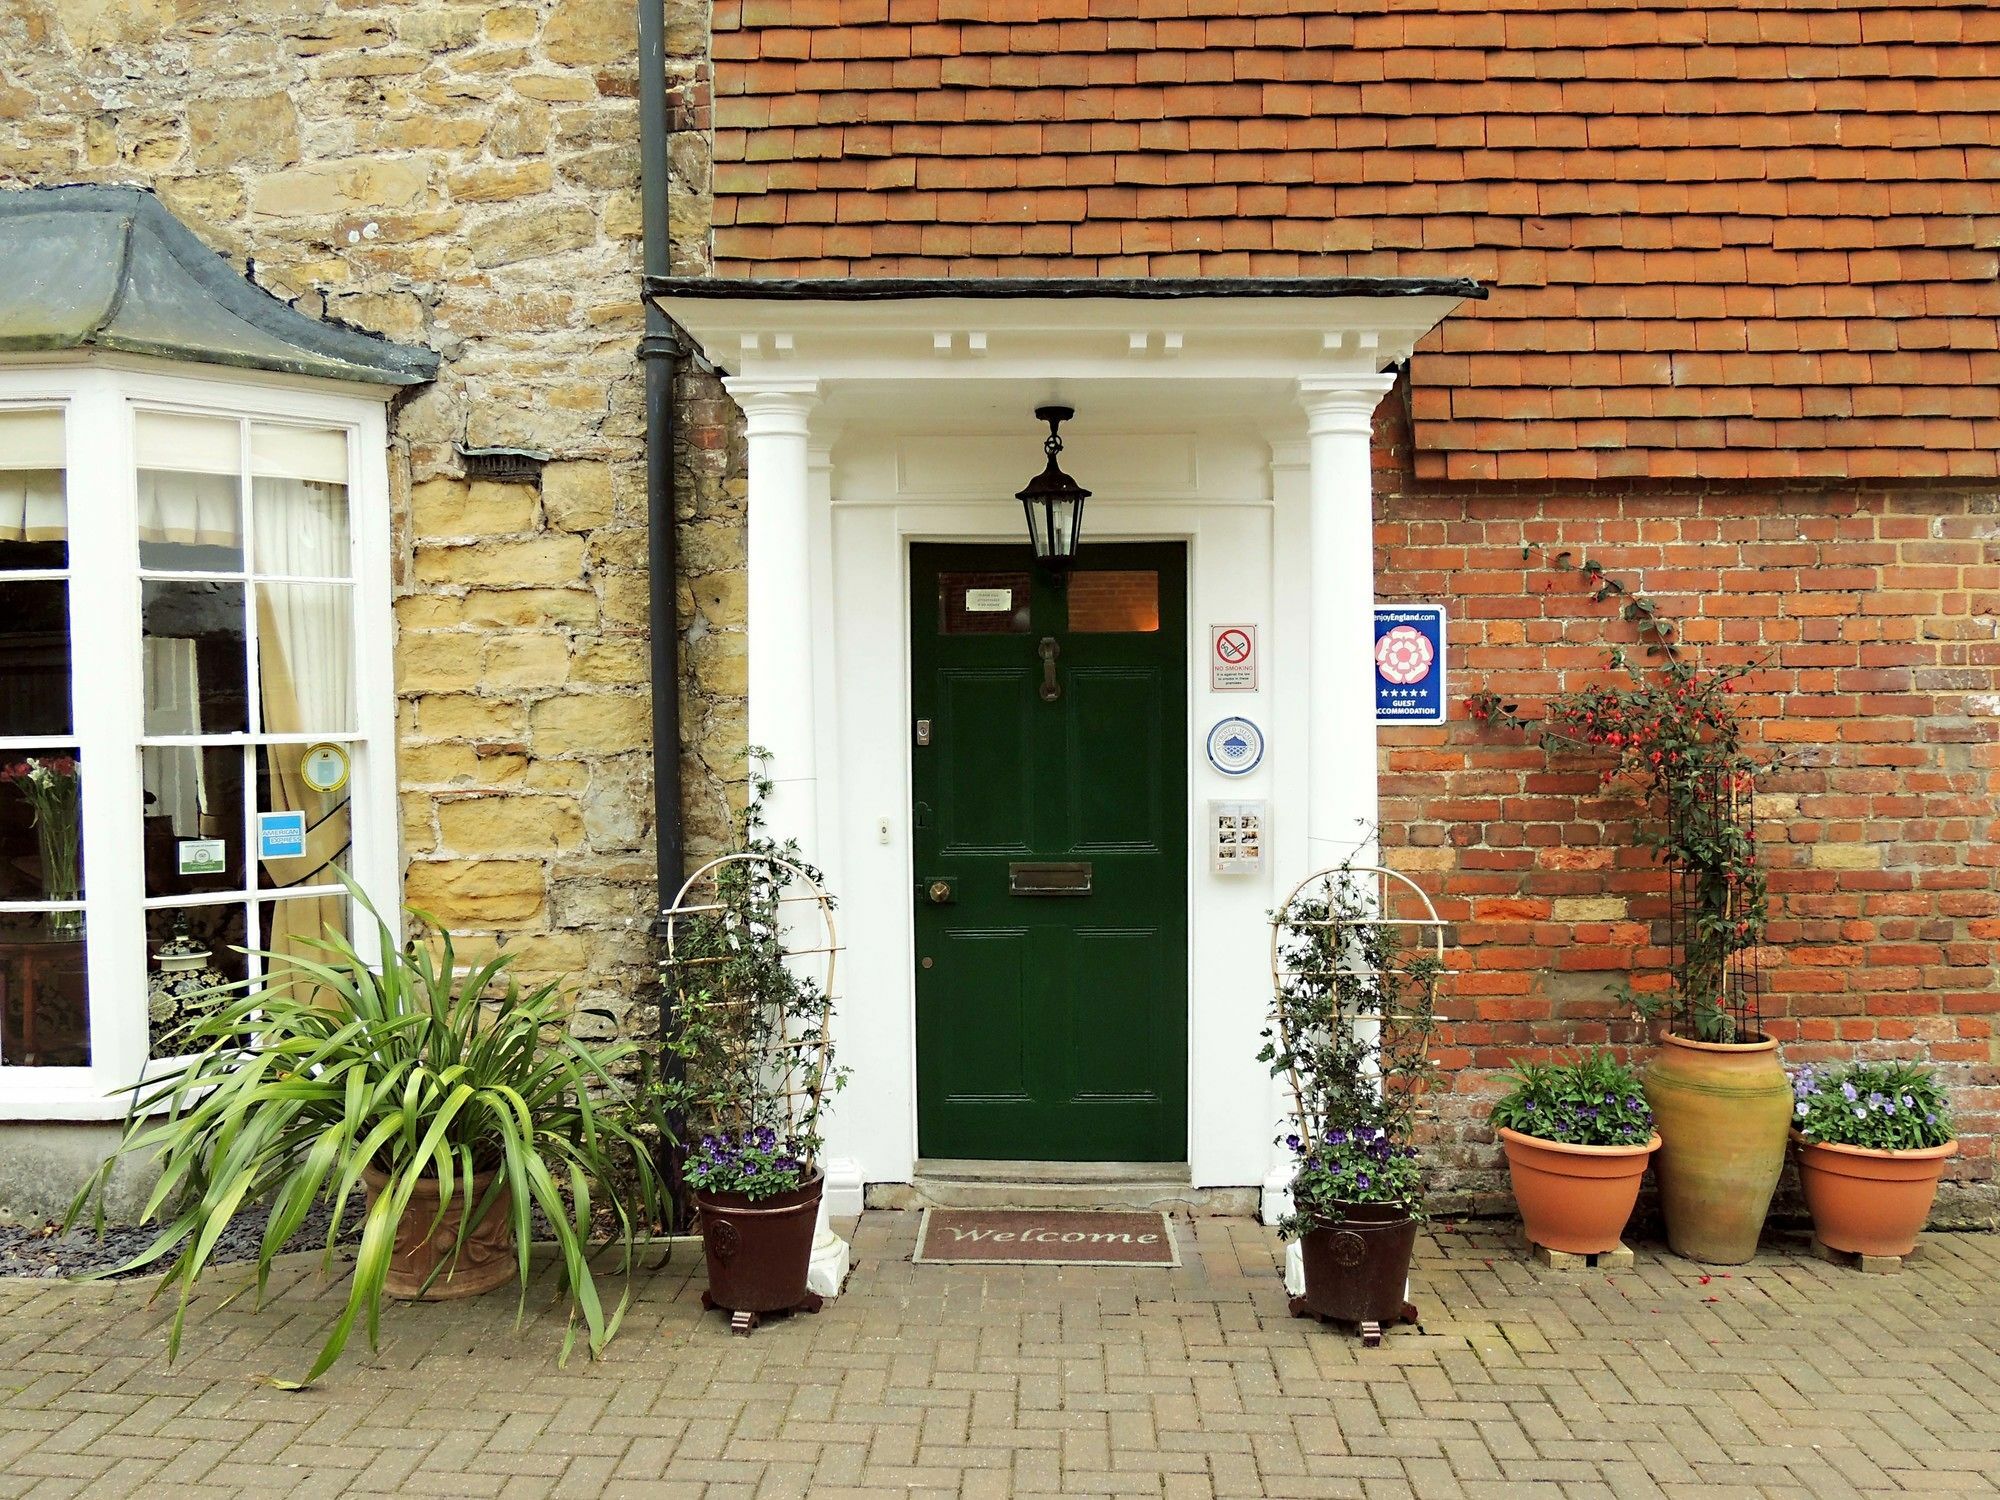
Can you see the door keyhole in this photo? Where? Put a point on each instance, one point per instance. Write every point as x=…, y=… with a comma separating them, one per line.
x=1049, y=651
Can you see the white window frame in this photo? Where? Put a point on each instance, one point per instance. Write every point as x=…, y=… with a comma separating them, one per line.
x=99, y=396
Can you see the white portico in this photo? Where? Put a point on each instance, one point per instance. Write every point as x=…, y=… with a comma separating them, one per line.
x=1231, y=419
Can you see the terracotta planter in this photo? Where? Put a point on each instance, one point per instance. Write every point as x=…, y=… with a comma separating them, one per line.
x=486, y=1261
x=1869, y=1202
x=1723, y=1110
x=1575, y=1198
x=1358, y=1270
x=759, y=1249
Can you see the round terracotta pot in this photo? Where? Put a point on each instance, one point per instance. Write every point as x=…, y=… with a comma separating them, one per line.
x=759, y=1249
x=487, y=1259
x=1723, y=1110
x=1357, y=1270
x=1869, y=1202
x=1575, y=1198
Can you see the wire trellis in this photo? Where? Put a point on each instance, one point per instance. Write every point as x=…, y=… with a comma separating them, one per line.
x=1356, y=952
x=1714, y=922
x=752, y=956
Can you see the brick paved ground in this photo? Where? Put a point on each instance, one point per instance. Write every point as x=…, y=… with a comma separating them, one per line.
x=1790, y=1378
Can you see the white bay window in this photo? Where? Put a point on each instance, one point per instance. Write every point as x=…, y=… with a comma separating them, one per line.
x=196, y=707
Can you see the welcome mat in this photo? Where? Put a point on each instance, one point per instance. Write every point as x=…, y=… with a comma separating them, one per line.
x=1044, y=1237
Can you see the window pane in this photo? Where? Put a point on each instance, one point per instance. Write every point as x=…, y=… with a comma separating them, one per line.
x=190, y=523
x=301, y=528
x=195, y=950
x=292, y=816
x=197, y=676
x=305, y=651
x=41, y=829
x=1114, y=602
x=44, y=993
x=34, y=527
x=194, y=818
x=296, y=928
x=983, y=603
x=34, y=656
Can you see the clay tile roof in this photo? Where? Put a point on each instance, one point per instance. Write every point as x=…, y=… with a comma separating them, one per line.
x=1747, y=237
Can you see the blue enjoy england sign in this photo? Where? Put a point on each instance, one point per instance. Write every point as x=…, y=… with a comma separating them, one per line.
x=1409, y=664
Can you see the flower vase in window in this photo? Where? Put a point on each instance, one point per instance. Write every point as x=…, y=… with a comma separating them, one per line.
x=49, y=785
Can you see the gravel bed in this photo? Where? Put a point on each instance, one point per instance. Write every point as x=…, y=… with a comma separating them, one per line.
x=43, y=1252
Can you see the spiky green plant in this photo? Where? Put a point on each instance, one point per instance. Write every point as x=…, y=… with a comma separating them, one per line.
x=295, y=1086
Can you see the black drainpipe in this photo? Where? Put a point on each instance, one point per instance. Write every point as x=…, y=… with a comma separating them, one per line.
x=659, y=351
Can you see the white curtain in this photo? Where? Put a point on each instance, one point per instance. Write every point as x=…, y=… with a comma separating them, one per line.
x=174, y=774
x=196, y=510
x=31, y=506
x=305, y=672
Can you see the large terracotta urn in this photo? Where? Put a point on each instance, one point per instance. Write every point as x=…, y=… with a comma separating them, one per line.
x=1723, y=1110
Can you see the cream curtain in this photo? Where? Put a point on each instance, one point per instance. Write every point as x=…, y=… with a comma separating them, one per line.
x=31, y=506
x=196, y=510
x=305, y=672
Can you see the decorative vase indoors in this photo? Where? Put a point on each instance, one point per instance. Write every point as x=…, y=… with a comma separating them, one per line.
x=759, y=1250
x=1723, y=1110
x=1358, y=1270
x=424, y=1241
x=1576, y=1199
x=1869, y=1202
x=183, y=987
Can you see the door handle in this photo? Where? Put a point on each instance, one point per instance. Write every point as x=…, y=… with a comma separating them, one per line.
x=1048, y=651
x=941, y=892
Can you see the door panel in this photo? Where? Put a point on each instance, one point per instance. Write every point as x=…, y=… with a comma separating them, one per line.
x=981, y=733
x=1115, y=720
x=1051, y=1026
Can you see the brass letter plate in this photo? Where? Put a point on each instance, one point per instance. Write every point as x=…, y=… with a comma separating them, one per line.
x=1052, y=878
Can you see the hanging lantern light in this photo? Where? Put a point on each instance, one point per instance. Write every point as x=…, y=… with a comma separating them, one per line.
x=1054, y=501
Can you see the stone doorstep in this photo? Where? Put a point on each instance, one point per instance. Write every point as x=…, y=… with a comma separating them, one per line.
x=941, y=1183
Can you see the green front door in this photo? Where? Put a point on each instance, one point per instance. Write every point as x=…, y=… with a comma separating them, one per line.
x=1051, y=854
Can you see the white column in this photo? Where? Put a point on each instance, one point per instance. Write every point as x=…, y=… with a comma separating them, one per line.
x=783, y=679
x=1341, y=807
x=1341, y=801
x=780, y=597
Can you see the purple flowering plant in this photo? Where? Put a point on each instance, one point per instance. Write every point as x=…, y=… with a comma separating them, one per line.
x=1361, y=1165
x=1594, y=1101
x=1883, y=1106
x=753, y=1162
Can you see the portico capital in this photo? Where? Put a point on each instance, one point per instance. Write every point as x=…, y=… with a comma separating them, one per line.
x=1342, y=403
x=774, y=407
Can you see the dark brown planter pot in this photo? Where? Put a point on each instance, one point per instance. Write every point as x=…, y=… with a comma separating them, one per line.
x=1869, y=1202
x=1574, y=1198
x=486, y=1261
x=759, y=1249
x=1358, y=1270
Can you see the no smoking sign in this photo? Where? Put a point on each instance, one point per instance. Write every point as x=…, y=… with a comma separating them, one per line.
x=1232, y=658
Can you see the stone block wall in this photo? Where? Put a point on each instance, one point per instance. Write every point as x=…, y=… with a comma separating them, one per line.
x=466, y=176
x=1872, y=614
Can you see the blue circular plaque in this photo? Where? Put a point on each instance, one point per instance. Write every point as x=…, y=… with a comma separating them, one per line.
x=1235, y=746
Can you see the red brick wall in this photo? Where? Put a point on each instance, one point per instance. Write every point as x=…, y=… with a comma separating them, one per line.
x=1873, y=610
